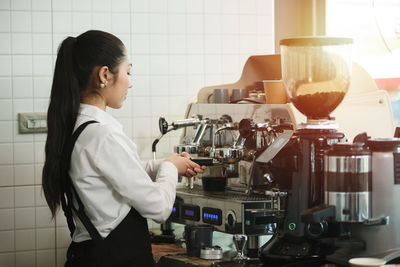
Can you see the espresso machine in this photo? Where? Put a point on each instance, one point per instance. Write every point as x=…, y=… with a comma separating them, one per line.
x=333, y=211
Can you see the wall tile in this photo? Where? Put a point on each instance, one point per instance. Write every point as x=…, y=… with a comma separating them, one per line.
x=7, y=259
x=60, y=5
x=230, y=6
x=24, y=174
x=24, y=196
x=5, y=5
x=21, y=137
x=24, y=218
x=61, y=256
x=24, y=240
x=212, y=6
x=42, y=86
x=62, y=22
x=81, y=22
x=5, y=67
x=159, y=106
x=159, y=85
x=212, y=24
x=46, y=258
x=195, y=44
x=6, y=134
x=25, y=259
x=102, y=6
x=60, y=220
x=38, y=173
x=140, y=44
x=177, y=64
x=22, y=87
x=40, y=105
x=158, y=44
x=141, y=106
x=213, y=44
x=41, y=5
x=6, y=175
x=5, y=43
x=45, y=238
x=21, y=21
x=20, y=106
x=5, y=21
x=121, y=23
x=195, y=6
x=81, y=5
x=176, y=6
x=63, y=238
x=141, y=84
x=41, y=22
x=101, y=21
x=22, y=65
x=6, y=88
x=195, y=64
x=40, y=200
x=158, y=23
x=230, y=44
x=42, y=65
x=141, y=127
x=138, y=6
x=176, y=24
x=120, y=5
x=140, y=65
x=177, y=85
x=140, y=23
x=158, y=6
x=176, y=105
x=177, y=44
x=248, y=24
x=7, y=241
x=6, y=153
x=195, y=23
x=44, y=218
x=6, y=220
x=158, y=64
x=248, y=7
x=23, y=153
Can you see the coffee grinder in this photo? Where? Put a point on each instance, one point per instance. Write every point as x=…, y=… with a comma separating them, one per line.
x=316, y=73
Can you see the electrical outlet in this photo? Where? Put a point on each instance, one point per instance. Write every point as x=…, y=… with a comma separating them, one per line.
x=34, y=122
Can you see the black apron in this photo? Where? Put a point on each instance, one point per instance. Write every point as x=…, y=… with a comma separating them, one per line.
x=128, y=245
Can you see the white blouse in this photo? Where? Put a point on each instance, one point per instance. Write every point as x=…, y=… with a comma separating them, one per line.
x=110, y=178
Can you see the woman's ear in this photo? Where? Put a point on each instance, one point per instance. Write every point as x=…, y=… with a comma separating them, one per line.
x=104, y=75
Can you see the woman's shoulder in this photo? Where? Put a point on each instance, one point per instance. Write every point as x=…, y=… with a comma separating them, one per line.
x=97, y=133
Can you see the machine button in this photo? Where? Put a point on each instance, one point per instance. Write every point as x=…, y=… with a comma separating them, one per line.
x=231, y=218
x=292, y=226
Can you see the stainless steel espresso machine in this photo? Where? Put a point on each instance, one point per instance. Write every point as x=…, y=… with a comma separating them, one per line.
x=324, y=198
x=229, y=195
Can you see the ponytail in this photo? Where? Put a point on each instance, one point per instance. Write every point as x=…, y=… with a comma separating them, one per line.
x=75, y=62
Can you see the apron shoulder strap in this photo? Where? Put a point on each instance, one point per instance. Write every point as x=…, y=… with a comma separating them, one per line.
x=67, y=199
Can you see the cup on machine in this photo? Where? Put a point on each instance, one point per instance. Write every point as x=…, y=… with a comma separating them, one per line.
x=220, y=96
x=274, y=92
x=239, y=94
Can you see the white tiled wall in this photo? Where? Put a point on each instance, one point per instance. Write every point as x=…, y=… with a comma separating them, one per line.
x=176, y=47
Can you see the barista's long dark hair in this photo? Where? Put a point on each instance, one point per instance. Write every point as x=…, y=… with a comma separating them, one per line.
x=74, y=76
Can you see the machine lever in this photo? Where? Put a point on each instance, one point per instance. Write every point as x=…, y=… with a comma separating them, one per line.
x=377, y=221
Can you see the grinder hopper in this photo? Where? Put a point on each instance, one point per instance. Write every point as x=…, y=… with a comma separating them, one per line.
x=316, y=73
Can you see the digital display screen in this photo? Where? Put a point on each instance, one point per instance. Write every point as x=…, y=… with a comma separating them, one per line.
x=190, y=212
x=212, y=216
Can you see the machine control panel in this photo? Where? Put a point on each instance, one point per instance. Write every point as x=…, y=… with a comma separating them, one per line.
x=190, y=212
x=212, y=215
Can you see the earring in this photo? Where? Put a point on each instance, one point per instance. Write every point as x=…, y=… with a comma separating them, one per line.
x=102, y=85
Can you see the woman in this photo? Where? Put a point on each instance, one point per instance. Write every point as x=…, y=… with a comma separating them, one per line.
x=89, y=159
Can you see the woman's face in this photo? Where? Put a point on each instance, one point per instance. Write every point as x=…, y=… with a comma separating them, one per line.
x=117, y=89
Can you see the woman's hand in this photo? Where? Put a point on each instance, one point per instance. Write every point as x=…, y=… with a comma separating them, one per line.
x=195, y=171
x=184, y=165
